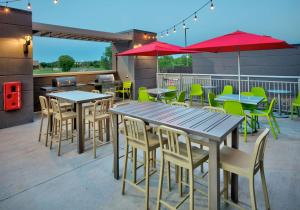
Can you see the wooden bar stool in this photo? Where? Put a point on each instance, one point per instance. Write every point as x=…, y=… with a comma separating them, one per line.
x=181, y=154
x=47, y=112
x=238, y=162
x=138, y=138
x=58, y=118
x=100, y=116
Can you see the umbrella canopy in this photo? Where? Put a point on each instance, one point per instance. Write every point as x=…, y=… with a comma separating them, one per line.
x=156, y=48
x=239, y=41
x=236, y=42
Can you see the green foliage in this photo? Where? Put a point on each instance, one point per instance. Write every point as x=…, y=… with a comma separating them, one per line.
x=169, y=62
x=106, y=59
x=66, y=62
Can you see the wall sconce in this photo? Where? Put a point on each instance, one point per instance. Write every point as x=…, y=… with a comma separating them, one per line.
x=27, y=39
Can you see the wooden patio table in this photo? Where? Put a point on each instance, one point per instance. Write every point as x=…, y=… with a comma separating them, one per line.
x=215, y=126
x=78, y=98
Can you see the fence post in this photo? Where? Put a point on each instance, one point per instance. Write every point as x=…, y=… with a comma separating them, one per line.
x=248, y=80
x=298, y=85
x=180, y=79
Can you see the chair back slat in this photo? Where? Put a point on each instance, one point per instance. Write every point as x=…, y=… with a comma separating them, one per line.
x=172, y=146
x=101, y=107
x=55, y=106
x=112, y=99
x=259, y=149
x=44, y=103
x=135, y=132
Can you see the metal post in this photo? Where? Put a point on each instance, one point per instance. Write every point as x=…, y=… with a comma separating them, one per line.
x=239, y=75
x=185, y=44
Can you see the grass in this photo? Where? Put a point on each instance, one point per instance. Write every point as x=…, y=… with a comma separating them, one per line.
x=77, y=69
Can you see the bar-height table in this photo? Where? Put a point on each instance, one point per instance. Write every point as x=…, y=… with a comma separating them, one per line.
x=215, y=126
x=78, y=98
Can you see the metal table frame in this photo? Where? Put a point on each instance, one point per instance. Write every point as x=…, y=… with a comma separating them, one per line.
x=279, y=92
x=78, y=98
x=215, y=126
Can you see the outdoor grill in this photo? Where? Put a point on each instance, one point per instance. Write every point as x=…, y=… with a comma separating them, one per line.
x=64, y=82
x=105, y=82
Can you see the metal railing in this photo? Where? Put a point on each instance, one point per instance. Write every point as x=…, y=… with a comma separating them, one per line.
x=184, y=81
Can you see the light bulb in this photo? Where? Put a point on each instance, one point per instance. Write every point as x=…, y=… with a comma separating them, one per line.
x=162, y=35
x=174, y=30
x=195, y=17
x=55, y=1
x=29, y=6
x=212, y=7
x=183, y=25
x=167, y=33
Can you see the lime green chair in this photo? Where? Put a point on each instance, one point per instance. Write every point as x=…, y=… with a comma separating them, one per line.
x=196, y=90
x=211, y=100
x=268, y=113
x=259, y=91
x=126, y=89
x=236, y=108
x=295, y=105
x=144, y=95
x=168, y=97
x=181, y=97
x=228, y=89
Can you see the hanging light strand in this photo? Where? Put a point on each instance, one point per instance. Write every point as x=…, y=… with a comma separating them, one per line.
x=192, y=15
x=29, y=7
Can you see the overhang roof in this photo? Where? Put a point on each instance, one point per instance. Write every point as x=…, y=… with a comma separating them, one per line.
x=63, y=32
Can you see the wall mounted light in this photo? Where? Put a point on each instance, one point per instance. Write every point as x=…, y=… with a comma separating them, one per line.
x=27, y=42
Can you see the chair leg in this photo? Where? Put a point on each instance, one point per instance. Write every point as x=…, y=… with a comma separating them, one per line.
x=180, y=181
x=67, y=135
x=245, y=130
x=169, y=176
x=53, y=132
x=94, y=139
x=160, y=183
x=264, y=186
x=272, y=128
x=41, y=128
x=125, y=169
x=60, y=137
x=276, y=124
x=191, y=179
x=72, y=130
x=252, y=193
x=147, y=181
x=202, y=168
x=134, y=156
x=48, y=130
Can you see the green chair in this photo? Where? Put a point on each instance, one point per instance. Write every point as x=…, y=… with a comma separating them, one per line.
x=196, y=90
x=168, y=97
x=248, y=106
x=259, y=91
x=228, y=89
x=295, y=105
x=211, y=100
x=236, y=108
x=181, y=97
x=144, y=95
x=126, y=89
x=268, y=113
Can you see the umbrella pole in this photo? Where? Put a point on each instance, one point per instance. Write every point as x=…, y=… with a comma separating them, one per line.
x=157, y=70
x=239, y=75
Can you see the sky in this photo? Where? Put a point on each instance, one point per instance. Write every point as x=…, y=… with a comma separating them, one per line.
x=277, y=18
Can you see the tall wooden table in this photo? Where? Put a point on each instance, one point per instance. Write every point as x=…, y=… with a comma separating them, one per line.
x=78, y=98
x=215, y=126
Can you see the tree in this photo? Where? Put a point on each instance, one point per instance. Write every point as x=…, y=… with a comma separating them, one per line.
x=66, y=62
x=106, y=59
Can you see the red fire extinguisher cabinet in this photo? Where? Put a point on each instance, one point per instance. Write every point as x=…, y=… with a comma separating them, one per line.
x=12, y=95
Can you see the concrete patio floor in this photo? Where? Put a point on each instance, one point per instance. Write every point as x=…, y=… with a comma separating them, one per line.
x=34, y=177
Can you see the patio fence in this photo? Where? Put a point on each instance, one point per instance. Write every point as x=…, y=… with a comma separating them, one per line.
x=184, y=81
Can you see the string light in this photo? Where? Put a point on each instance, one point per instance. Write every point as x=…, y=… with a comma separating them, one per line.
x=167, y=33
x=212, y=7
x=29, y=6
x=6, y=9
x=55, y=1
x=193, y=15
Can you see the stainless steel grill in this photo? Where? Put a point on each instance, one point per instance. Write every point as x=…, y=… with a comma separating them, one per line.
x=64, y=82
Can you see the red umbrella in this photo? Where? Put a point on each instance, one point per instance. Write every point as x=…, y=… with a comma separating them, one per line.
x=239, y=41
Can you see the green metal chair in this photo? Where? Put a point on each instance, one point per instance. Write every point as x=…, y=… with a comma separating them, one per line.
x=196, y=90
x=295, y=105
x=236, y=108
x=211, y=100
x=126, y=89
x=181, y=97
x=259, y=91
x=168, y=97
x=144, y=95
x=268, y=113
x=228, y=89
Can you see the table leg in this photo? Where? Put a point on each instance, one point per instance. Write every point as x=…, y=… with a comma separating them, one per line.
x=107, y=126
x=214, y=175
x=279, y=104
x=235, y=177
x=115, y=135
x=80, y=144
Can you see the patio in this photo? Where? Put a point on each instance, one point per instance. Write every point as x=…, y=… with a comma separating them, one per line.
x=33, y=177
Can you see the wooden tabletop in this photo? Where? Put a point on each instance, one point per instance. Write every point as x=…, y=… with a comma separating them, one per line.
x=253, y=100
x=77, y=96
x=159, y=91
x=215, y=126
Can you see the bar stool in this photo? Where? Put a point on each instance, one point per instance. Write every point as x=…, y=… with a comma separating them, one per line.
x=101, y=116
x=138, y=138
x=58, y=118
x=48, y=113
x=238, y=162
x=181, y=154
